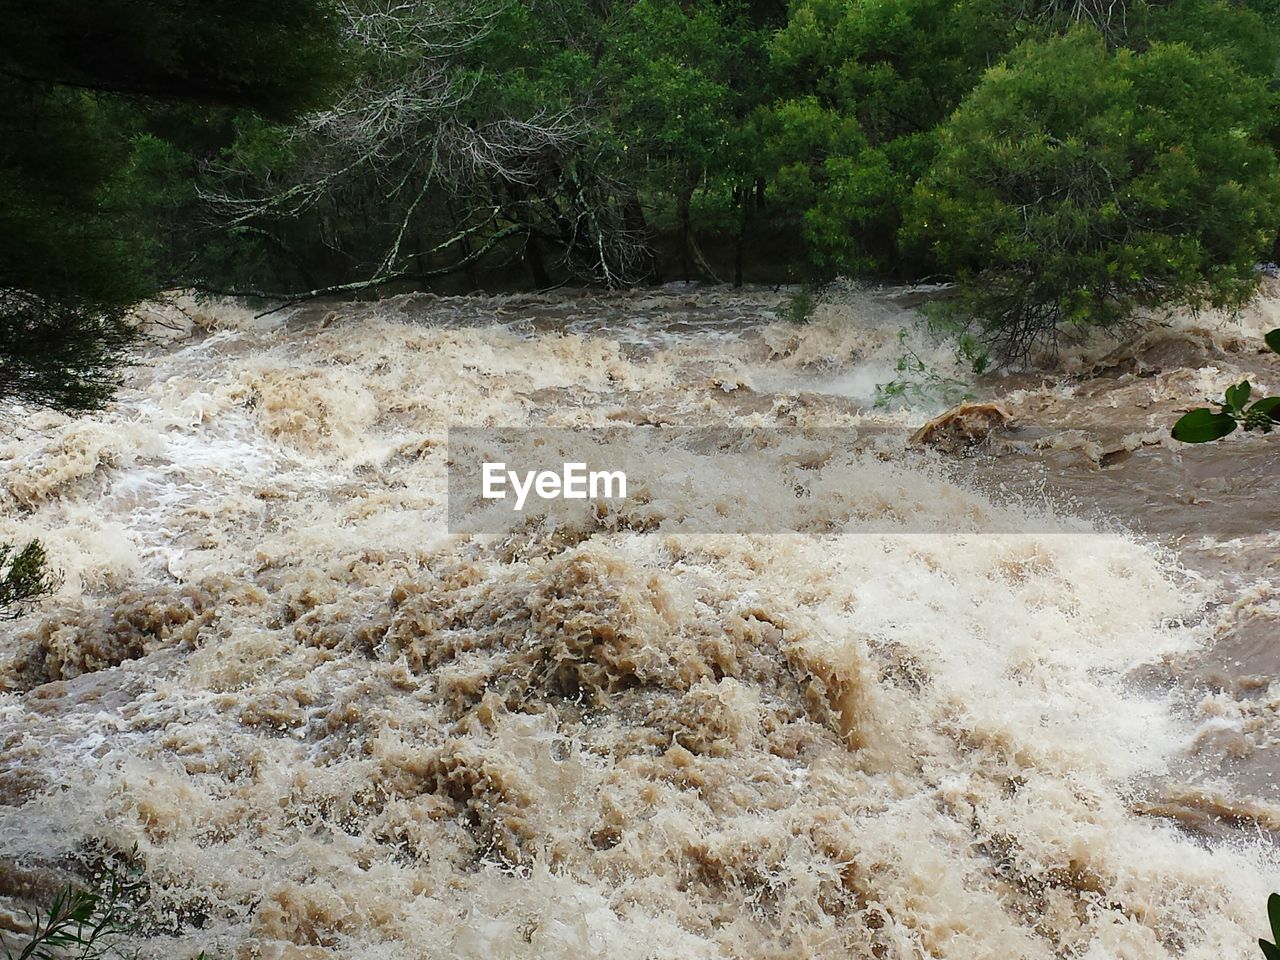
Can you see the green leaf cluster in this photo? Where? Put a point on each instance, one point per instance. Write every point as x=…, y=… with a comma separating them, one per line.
x=88, y=923
x=1271, y=949
x=1203, y=425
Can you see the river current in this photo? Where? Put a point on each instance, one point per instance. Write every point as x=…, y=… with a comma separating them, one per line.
x=320, y=725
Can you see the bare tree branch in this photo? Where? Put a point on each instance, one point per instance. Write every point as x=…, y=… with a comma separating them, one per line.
x=409, y=127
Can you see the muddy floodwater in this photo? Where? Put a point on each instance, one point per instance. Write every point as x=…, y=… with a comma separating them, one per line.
x=317, y=724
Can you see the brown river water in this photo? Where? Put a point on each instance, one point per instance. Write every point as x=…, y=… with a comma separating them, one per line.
x=321, y=725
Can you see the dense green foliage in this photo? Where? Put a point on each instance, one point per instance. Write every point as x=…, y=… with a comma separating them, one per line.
x=686, y=82
x=1077, y=185
x=81, y=87
x=869, y=82
x=1069, y=165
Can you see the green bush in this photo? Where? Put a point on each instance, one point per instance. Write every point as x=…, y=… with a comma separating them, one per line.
x=1077, y=185
x=866, y=82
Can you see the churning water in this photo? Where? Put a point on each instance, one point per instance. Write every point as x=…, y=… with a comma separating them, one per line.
x=333, y=729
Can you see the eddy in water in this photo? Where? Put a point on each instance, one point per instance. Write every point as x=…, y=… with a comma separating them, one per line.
x=309, y=721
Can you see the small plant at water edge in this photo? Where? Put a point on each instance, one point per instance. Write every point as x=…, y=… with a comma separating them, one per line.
x=85, y=924
x=1203, y=425
x=24, y=576
x=1271, y=949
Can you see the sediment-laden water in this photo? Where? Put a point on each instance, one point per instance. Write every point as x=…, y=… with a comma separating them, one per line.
x=323, y=726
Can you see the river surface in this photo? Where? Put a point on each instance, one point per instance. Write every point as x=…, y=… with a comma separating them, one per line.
x=320, y=725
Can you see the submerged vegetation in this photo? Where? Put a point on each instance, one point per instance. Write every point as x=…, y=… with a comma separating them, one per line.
x=915, y=380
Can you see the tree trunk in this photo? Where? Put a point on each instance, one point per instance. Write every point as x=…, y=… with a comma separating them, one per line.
x=690, y=253
x=537, y=263
x=744, y=202
x=633, y=223
x=686, y=231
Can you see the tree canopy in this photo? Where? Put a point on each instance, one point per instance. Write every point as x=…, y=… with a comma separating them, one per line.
x=1068, y=164
x=1076, y=185
x=80, y=86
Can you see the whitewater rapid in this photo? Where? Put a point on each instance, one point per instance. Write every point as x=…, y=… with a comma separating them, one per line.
x=322, y=725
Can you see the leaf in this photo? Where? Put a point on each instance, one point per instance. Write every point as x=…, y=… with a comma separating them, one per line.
x=1269, y=950
x=1272, y=340
x=1273, y=913
x=1268, y=405
x=82, y=908
x=1238, y=396
x=1203, y=425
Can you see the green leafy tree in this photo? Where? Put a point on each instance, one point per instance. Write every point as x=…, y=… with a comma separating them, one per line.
x=682, y=81
x=846, y=190
x=466, y=131
x=1078, y=184
x=870, y=86
x=868, y=82
x=75, y=251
